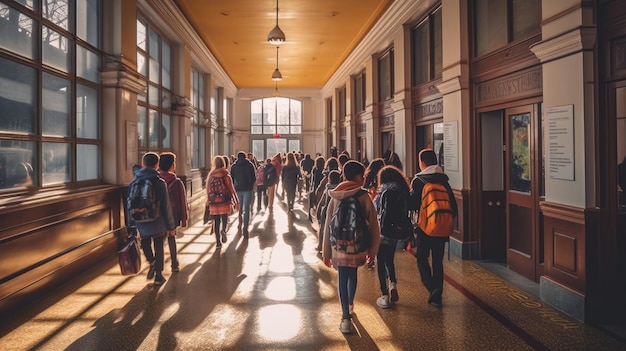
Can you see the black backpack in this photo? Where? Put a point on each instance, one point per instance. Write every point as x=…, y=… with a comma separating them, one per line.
x=142, y=202
x=270, y=176
x=395, y=222
x=348, y=226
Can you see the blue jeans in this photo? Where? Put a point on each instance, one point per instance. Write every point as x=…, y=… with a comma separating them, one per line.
x=347, y=289
x=245, y=196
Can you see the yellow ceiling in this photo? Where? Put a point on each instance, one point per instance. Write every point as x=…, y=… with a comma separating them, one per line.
x=320, y=34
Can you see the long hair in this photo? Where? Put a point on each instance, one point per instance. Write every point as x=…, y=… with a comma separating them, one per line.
x=319, y=162
x=393, y=174
x=291, y=160
x=217, y=163
x=371, y=173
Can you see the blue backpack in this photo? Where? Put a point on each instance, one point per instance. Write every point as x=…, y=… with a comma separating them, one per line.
x=142, y=202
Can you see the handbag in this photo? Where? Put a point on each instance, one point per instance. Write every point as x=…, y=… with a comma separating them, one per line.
x=129, y=256
x=207, y=214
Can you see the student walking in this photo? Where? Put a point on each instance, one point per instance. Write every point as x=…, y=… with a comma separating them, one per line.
x=243, y=175
x=178, y=201
x=350, y=206
x=290, y=176
x=431, y=236
x=391, y=203
x=221, y=197
x=153, y=219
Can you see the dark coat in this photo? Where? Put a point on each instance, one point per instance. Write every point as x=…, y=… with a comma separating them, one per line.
x=242, y=172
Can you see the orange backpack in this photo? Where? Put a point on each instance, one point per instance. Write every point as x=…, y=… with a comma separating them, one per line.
x=436, y=217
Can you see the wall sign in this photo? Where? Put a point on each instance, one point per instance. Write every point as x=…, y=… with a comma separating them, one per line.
x=560, y=140
x=451, y=146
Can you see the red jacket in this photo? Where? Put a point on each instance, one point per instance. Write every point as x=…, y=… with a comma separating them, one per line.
x=178, y=197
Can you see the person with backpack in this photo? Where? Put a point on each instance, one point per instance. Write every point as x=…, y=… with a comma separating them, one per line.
x=178, y=200
x=149, y=211
x=261, y=189
x=351, y=235
x=334, y=178
x=432, y=196
x=243, y=175
x=272, y=175
x=391, y=203
x=221, y=197
x=316, y=178
x=307, y=166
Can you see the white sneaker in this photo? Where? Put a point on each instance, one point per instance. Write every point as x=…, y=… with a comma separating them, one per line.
x=346, y=326
x=393, y=292
x=383, y=301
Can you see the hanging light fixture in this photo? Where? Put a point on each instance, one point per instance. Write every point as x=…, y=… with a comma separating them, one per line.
x=276, y=36
x=276, y=76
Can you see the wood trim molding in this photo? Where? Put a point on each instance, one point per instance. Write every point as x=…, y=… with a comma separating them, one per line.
x=563, y=212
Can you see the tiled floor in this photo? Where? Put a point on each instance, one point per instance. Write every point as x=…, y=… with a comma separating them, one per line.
x=273, y=293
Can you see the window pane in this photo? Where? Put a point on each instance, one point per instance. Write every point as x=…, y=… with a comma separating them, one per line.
x=141, y=126
x=142, y=67
x=153, y=130
x=296, y=112
x=269, y=111
x=87, y=21
x=57, y=11
x=153, y=74
x=16, y=160
x=55, y=49
x=153, y=95
x=56, y=96
x=421, y=53
x=195, y=147
x=437, y=46
x=141, y=35
x=275, y=146
x=258, y=149
x=56, y=163
x=491, y=31
x=256, y=130
x=87, y=162
x=269, y=129
x=86, y=112
x=166, y=66
x=165, y=131
x=153, y=45
x=526, y=17
x=296, y=129
x=87, y=64
x=18, y=94
x=282, y=107
x=283, y=130
x=202, y=148
x=520, y=153
x=166, y=99
x=16, y=32
x=294, y=145
x=201, y=91
x=256, y=113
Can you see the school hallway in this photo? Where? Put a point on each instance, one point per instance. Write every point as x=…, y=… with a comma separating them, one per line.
x=274, y=293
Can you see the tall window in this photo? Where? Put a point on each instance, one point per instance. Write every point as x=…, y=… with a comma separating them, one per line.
x=427, y=51
x=275, y=126
x=198, y=131
x=385, y=76
x=341, y=102
x=49, y=92
x=154, y=107
x=359, y=93
x=499, y=22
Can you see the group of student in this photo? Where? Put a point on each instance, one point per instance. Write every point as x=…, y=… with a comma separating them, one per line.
x=330, y=183
x=338, y=180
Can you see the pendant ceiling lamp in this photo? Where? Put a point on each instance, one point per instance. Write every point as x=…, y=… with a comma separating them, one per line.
x=276, y=36
x=276, y=76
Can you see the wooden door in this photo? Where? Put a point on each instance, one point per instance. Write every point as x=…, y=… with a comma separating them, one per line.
x=521, y=211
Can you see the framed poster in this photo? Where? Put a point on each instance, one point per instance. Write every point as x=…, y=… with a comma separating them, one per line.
x=560, y=142
x=451, y=145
